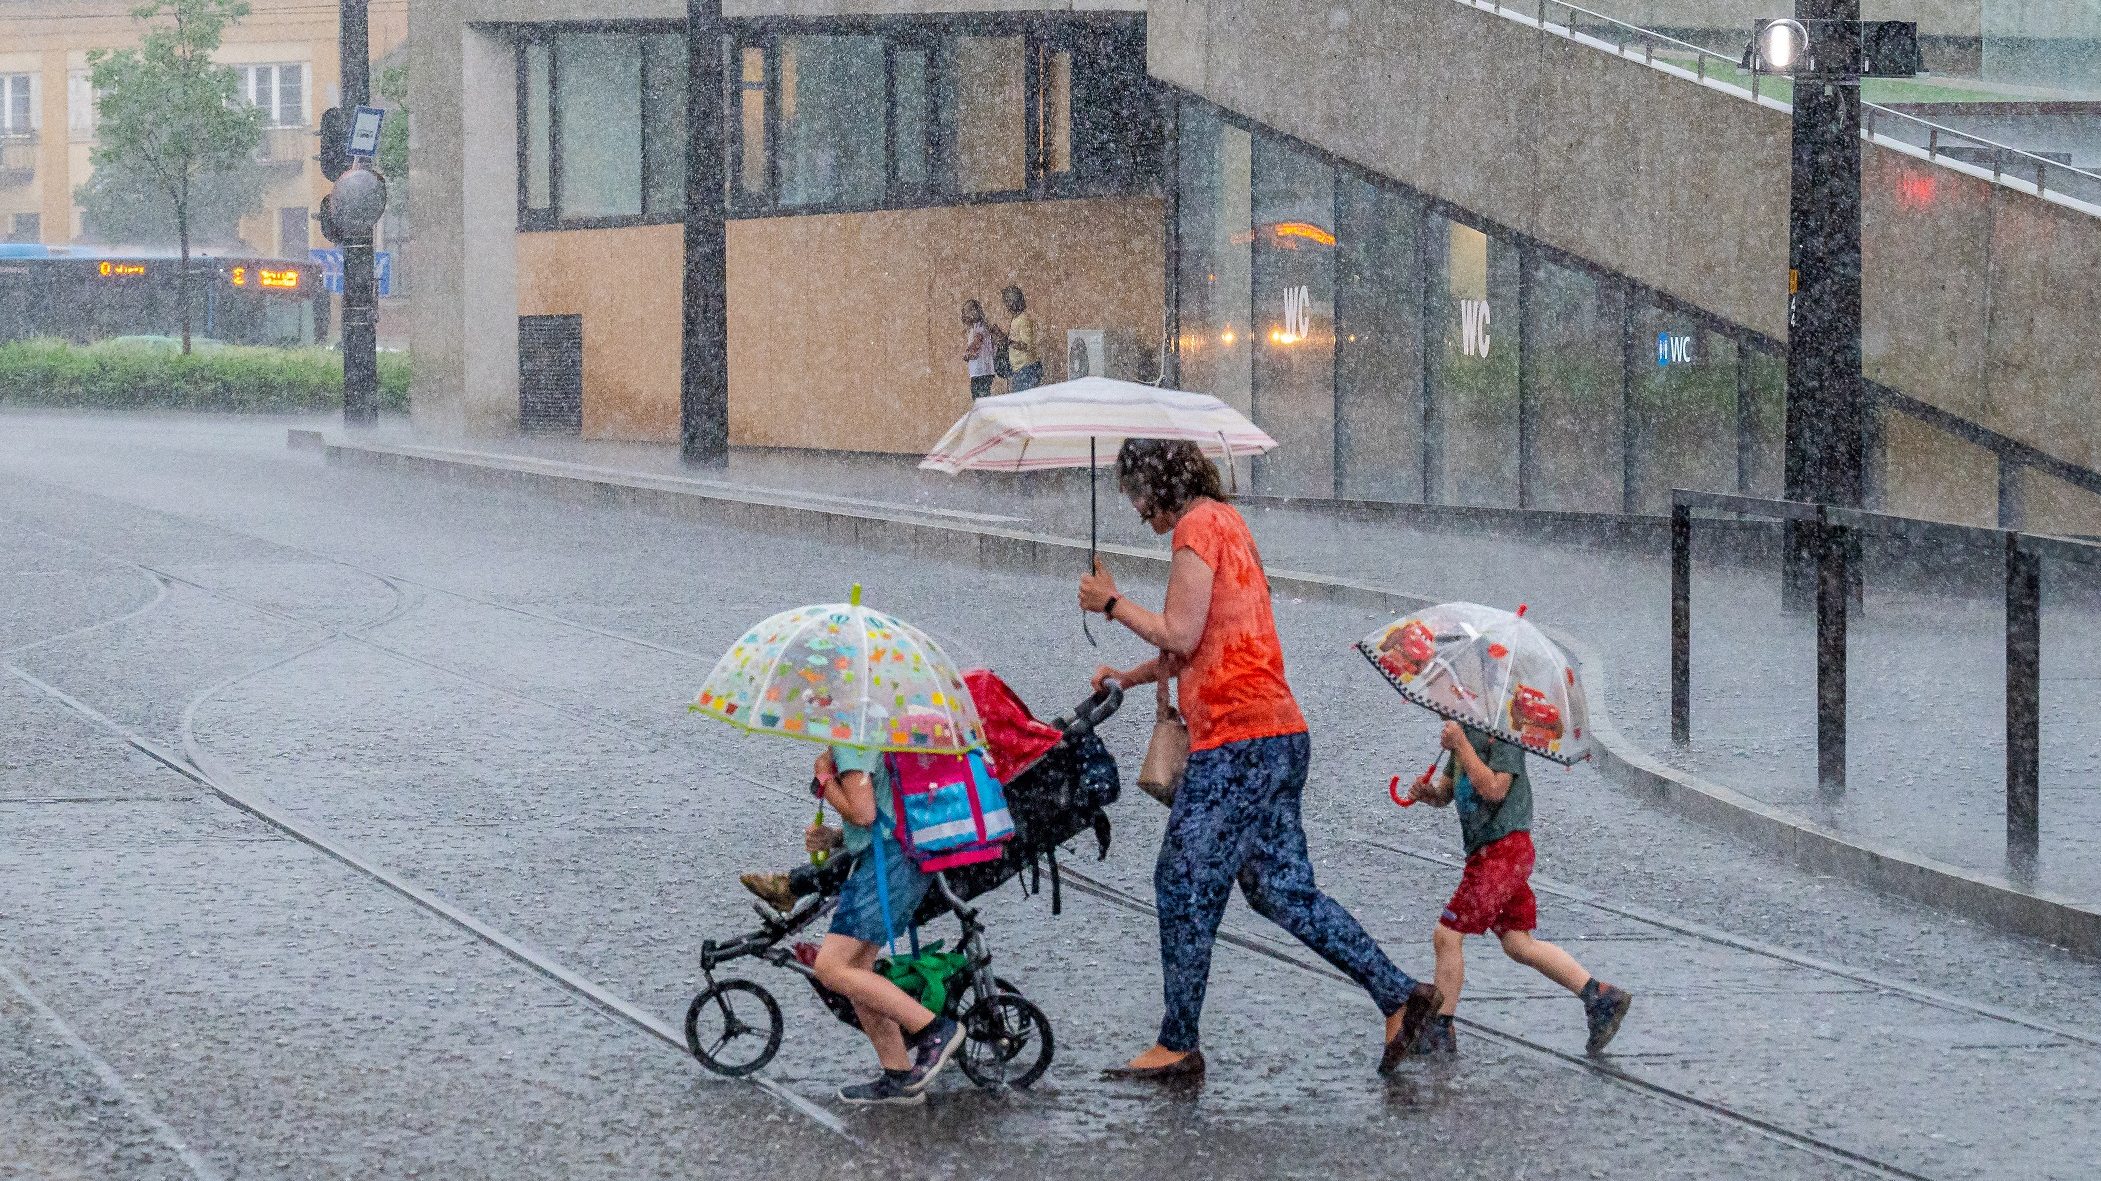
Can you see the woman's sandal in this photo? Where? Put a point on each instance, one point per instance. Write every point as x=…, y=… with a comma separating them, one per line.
x=1188, y=1067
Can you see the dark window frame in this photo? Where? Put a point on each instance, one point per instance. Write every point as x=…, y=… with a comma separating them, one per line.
x=1041, y=33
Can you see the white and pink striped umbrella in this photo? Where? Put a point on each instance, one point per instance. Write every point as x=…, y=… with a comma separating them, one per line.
x=1082, y=423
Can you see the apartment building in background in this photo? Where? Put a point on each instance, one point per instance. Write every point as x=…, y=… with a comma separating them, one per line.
x=285, y=52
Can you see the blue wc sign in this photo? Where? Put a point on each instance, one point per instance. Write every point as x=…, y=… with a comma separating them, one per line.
x=1673, y=348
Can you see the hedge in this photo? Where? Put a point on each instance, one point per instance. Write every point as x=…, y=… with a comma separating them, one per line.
x=49, y=372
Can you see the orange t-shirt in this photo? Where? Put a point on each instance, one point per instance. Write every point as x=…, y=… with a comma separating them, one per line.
x=1232, y=688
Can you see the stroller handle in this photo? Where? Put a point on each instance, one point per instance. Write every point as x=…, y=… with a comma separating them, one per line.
x=1097, y=709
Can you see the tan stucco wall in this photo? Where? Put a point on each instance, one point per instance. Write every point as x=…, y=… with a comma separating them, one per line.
x=845, y=330
x=625, y=284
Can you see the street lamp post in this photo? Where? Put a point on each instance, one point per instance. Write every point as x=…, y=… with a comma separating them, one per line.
x=704, y=357
x=1828, y=50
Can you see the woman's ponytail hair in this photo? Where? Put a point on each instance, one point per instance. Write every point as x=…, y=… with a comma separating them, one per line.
x=1166, y=474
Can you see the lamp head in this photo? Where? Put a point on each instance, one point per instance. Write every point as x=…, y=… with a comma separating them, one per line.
x=1779, y=46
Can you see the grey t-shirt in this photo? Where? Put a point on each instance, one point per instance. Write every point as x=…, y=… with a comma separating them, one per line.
x=1482, y=822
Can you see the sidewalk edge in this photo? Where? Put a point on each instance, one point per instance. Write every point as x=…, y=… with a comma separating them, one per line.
x=1984, y=898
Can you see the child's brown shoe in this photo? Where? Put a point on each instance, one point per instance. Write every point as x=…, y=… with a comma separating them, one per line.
x=772, y=889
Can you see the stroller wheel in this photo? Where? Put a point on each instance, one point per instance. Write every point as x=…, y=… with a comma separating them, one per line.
x=1007, y=1042
x=734, y=1028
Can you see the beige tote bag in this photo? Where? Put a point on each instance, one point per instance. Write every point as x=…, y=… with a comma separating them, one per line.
x=1167, y=755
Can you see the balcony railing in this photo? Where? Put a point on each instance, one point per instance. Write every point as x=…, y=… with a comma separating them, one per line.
x=17, y=157
x=2051, y=179
x=287, y=146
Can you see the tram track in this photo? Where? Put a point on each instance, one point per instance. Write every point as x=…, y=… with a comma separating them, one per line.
x=195, y=763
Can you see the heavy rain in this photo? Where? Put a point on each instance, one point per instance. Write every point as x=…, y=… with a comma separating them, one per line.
x=1143, y=588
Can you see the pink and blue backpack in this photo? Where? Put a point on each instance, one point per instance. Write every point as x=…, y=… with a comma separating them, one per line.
x=950, y=810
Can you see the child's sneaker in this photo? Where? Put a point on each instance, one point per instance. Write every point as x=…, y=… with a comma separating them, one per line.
x=772, y=888
x=892, y=1086
x=1438, y=1040
x=931, y=1050
x=1604, y=1007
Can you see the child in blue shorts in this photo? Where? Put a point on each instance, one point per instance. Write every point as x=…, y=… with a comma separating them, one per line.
x=912, y=1041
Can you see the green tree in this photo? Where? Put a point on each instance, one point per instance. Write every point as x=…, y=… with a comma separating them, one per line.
x=171, y=116
x=124, y=202
x=393, y=87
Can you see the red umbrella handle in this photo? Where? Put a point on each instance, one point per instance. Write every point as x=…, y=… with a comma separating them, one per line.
x=1393, y=788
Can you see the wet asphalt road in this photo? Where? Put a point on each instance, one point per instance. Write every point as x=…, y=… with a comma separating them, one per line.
x=482, y=694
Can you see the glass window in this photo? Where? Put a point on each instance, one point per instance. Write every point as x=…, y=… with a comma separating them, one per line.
x=1472, y=303
x=1683, y=403
x=598, y=121
x=1293, y=207
x=1576, y=354
x=1379, y=345
x=17, y=108
x=291, y=96
x=984, y=107
x=753, y=169
x=912, y=99
x=1114, y=120
x=1215, y=283
x=663, y=124
x=539, y=125
x=80, y=104
x=831, y=120
x=1765, y=419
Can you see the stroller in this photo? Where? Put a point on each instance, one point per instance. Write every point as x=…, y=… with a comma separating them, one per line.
x=1058, y=778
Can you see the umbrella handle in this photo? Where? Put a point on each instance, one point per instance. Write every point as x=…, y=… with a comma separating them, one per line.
x=1393, y=788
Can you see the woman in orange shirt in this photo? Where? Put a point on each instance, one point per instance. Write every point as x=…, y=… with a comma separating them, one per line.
x=1236, y=814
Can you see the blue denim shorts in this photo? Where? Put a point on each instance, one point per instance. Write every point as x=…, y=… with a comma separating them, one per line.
x=860, y=912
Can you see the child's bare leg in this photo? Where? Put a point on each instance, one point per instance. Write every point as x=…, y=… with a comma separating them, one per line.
x=1547, y=959
x=846, y=966
x=1450, y=946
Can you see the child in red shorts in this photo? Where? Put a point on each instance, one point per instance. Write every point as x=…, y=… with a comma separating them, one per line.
x=1486, y=778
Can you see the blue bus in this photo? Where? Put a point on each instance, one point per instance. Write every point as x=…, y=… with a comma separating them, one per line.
x=84, y=296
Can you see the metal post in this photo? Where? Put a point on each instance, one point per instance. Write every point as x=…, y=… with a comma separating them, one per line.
x=360, y=298
x=2024, y=627
x=704, y=356
x=1825, y=393
x=1681, y=624
x=1832, y=601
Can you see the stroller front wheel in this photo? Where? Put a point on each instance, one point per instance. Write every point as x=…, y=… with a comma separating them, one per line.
x=734, y=1027
x=1007, y=1042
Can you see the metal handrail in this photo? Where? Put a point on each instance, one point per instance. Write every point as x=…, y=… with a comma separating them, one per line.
x=2035, y=169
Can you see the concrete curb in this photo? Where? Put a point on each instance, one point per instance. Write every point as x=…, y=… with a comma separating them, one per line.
x=1985, y=898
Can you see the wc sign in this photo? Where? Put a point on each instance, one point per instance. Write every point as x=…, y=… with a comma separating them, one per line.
x=1673, y=348
x=1473, y=327
x=1298, y=313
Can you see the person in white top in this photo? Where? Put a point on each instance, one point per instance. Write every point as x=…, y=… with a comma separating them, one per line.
x=977, y=349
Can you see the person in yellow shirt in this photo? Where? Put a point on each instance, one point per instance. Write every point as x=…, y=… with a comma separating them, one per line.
x=1024, y=363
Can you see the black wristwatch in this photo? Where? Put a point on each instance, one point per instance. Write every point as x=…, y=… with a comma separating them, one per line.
x=1109, y=608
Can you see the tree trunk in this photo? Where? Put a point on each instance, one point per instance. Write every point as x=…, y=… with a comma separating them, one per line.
x=182, y=276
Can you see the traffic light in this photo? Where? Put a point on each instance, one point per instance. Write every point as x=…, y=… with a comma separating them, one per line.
x=335, y=143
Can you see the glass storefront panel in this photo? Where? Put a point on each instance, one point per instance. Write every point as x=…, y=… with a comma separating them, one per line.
x=1683, y=399
x=1379, y=345
x=599, y=124
x=912, y=93
x=1765, y=385
x=1472, y=304
x=985, y=110
x=663, y=124
x=1215, y=282
x=1293, y=209
x=832, y=120
x=754, y=171
x=539, y=125
x=1574, y=347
